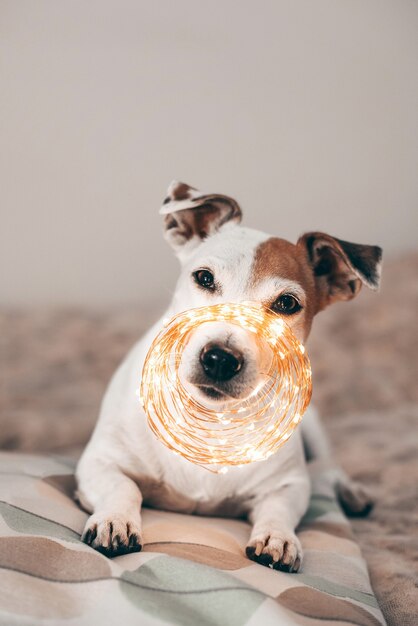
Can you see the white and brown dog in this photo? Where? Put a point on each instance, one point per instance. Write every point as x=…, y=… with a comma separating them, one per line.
x=124, y=465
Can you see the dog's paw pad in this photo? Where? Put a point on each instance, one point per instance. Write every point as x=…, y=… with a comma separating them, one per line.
x=355, y=499
x=112, y=535
x=277, y=549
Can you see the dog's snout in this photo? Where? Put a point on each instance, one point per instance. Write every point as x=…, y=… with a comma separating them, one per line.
x=220, y=363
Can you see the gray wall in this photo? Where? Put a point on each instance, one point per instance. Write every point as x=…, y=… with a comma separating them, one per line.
x=304, y=111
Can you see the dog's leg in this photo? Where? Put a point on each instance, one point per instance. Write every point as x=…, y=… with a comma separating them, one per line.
x=354, y=498
x=273, y=541
x=115, y=503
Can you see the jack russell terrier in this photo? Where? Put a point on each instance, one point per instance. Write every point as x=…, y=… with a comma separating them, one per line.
x=124, y=465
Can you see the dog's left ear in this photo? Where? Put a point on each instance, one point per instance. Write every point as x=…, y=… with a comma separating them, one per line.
x=190, y=215
x=340, y=267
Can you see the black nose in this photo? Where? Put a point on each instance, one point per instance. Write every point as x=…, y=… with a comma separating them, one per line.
x=220, y=363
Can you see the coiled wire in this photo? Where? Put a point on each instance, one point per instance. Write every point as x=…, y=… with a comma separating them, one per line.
x=239, y=431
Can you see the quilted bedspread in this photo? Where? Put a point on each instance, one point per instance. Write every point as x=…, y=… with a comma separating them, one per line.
x=192, y=570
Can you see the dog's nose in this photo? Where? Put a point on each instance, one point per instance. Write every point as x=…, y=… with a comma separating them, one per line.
x=220, y=363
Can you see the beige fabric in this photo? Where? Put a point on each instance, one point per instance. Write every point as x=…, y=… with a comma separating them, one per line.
x=192, y=570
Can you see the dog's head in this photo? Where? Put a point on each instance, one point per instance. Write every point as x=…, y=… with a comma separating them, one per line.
x=224, y=262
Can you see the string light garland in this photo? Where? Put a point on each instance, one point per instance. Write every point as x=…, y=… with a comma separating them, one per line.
x=239, y=431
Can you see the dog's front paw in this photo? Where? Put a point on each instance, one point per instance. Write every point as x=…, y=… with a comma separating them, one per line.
x=279, y=549
x=112, y=535
x=354, y=498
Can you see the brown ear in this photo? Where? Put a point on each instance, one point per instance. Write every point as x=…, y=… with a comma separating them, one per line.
x=190, y=215
x=340, y=267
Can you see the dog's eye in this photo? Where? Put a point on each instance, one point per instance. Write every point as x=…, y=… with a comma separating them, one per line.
x=286, y=304
x=205, y=279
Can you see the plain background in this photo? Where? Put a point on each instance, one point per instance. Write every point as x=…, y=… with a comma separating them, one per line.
x=303, y=111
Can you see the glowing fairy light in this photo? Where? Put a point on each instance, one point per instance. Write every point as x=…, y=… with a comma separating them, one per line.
x=240, y=431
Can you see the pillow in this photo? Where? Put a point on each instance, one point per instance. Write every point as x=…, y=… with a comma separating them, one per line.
x=192, y=570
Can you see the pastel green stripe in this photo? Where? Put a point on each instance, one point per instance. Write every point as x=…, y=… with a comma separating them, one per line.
x=31, y=524
x=335, y=589
x=188, y=593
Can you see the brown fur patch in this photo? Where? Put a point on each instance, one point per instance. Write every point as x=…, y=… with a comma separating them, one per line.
x=327, y=269
x=181, y=191
x=202, y=220
x=280, y=258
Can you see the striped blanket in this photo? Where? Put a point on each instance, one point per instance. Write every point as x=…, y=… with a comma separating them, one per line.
x=192, y=570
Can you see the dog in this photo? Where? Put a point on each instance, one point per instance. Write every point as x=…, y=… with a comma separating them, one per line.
x=125, y=466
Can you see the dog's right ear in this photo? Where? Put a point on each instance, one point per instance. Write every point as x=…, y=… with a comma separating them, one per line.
x=190, y=215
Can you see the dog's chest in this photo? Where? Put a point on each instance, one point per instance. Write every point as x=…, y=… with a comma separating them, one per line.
x=170, y=482
x=162, y=495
